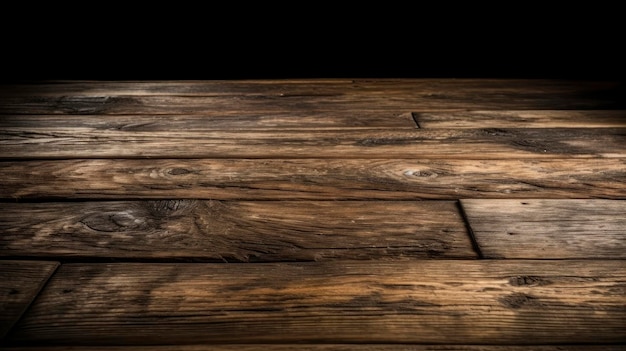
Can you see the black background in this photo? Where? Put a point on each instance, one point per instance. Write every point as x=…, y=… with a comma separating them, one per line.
x=310, y=41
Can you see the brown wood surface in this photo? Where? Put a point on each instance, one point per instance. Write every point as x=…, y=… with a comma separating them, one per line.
x=522, y=119
x=313, y=179
x=365, y=119
x=434, y=301
x=327, y=214
x=219, y=120
x=553, y=228
x=235, y=231
x=302, y=95
x=544, y=88
x=488, y=143
x=20, y=282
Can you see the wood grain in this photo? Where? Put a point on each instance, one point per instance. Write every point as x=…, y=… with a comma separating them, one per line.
x=20, y=282
x=434, y=301
x=293, y=218
x=312, y=179
x=219, y=120
x=171, y=105
x=523, y=119
x=548, y=229
x=235, y=231
x=489, y=143
x=582, y=89
x=305, y=95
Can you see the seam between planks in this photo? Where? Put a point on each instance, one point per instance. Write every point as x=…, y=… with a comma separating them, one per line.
x=42, y=286
x=470, y=231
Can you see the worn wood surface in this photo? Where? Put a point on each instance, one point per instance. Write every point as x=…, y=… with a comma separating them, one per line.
x=172, y=104
x=313, y=179
x=541, y=89
x=294, y=96
x=316, y=214
x=20, y=282
x=522, y=119
x=434, y=301
x=547, y=229
x=235, y=231
x=219, y=120
x=365, y=119
x=489, y=143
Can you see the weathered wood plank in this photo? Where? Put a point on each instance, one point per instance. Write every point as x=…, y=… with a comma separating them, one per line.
x=487, y=143
x=302, y=87
x=548, y=228
x=230, y=120
x=328, y=120
x=236, y=231
x=325, y=347
x=20, y=282
x=273, y=95
x=522, y=119
x=437, y=301
x=168, y=105
x=186, y=87
x=313, y=179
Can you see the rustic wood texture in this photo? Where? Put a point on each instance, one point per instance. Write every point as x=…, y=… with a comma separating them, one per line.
x=171, y=104
x=20, y=282
x=488, y=143
x=433, y=301
x=327, y=214
x=236, y=231
x=312, y=179
x=547, y=229
x=291, y=96
x=544, y=89
x=522, y=119
x=220, y=120
x=365, y=119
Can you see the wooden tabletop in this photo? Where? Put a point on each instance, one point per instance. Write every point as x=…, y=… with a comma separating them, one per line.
x=328, y=214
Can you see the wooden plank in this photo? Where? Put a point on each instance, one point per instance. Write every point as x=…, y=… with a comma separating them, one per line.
x=169, y=104
x=229, y=120
x=434, y=301
x=236, y=231
x=329, y=120
x=313, y=179
x=309, y=86
x=548, y=228
x=201, y=97
x=324, y=347
x=490, y=143
x=181, y=87
x=20, y=282
x=523, y=119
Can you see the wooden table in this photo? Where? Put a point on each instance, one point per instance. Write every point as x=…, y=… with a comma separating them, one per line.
x=399, y=214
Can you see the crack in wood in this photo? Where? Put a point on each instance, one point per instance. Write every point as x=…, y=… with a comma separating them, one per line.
x=91, y=104
x=384, y=141
x=526, y=280
x=520, y=300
